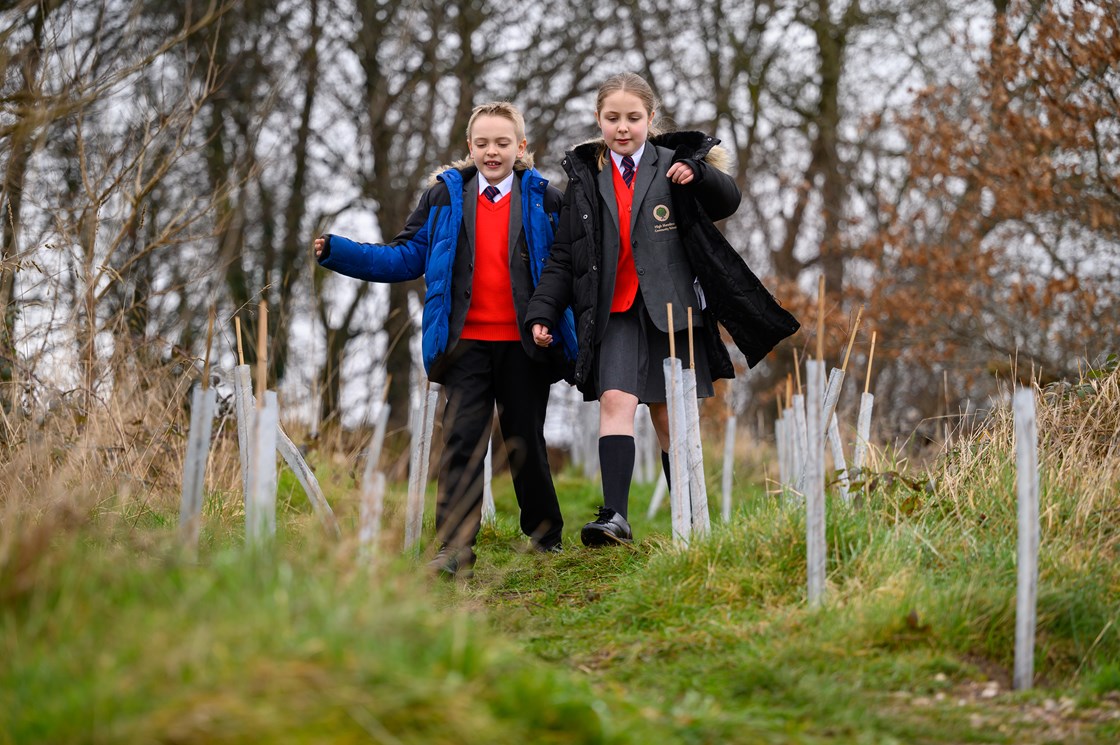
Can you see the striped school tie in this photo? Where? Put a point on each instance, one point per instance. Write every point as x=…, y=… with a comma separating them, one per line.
x=628, y=170
x=491, y=193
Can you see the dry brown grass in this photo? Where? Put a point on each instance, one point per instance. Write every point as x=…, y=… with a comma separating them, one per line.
x=67, y=459
x=1078, y=450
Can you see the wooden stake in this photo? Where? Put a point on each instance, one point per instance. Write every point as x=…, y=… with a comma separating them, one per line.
x=820, y=319
x=789, y=389
x=851, y=340
x=262, y=342
x=240, y=349
x=385, y=390
x=672, y=336
x=797, y=371
x=691, y=358
x=870, y=357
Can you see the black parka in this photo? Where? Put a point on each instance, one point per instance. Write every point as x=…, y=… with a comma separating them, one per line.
x=735, y=296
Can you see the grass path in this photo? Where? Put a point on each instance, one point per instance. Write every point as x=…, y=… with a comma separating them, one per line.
x=716, y=644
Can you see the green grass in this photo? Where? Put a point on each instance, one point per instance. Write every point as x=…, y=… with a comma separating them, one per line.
x=719, y=640
x=293, y=649
x=109, y=635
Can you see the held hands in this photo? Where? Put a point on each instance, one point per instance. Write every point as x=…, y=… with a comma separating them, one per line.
x=318, y=244
x=541, y=336
x=680, y=173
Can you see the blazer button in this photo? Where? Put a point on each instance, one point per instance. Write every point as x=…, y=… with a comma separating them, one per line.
x=594, y=267
x=585, y=217
x=641, y=270
x=467, y=293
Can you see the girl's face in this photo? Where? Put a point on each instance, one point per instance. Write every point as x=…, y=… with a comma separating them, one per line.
x=624, y=121
x=494, y=147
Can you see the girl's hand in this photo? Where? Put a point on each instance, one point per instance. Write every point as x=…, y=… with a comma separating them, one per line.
x=319, y=243
x=541, y=336
x=680, y=173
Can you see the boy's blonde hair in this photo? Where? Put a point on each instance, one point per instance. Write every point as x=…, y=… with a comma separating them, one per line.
x=627, y=82
x=506, y=110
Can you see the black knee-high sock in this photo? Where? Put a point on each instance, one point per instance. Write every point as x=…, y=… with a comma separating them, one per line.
x=616, y=464
x=665, y=469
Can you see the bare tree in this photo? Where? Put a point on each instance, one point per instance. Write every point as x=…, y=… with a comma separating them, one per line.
x=802, y=94
x=1002, y=254
x=22, y=132
x=93, y=156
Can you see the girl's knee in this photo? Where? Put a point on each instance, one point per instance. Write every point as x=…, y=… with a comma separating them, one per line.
x=618, y=401
x=616, y=412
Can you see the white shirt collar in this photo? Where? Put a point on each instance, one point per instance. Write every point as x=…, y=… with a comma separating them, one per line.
x=637, y=156
x=503, y=188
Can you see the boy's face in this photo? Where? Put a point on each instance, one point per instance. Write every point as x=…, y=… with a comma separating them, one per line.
x=624, y=121
x=494, y=147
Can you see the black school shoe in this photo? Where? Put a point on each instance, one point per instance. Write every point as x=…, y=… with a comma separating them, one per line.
x=607, y=529
x=453, y=563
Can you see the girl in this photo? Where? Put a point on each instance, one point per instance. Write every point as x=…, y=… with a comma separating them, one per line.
x=479, y=236
x=636, y=233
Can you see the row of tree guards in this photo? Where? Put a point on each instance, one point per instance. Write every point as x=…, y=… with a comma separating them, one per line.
x=807, y=419
x=259, y=438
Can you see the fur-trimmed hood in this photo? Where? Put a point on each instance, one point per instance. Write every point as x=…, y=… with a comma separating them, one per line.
x=686, y=145
x=524, y=163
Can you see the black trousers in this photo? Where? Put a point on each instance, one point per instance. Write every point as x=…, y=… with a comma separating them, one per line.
x=480, y=374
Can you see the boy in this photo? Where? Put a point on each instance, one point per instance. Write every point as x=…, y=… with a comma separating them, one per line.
x=480, y=236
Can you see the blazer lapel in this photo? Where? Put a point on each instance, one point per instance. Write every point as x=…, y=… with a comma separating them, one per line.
x=606, y=187
x=470, y=209
x=647, y=171
x=514, y=217
x=609, y=257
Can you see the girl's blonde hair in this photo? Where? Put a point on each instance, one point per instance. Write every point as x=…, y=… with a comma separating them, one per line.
x=506, y=110
x=627, y=82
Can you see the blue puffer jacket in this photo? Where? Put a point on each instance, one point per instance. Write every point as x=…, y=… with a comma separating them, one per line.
x=428, y=244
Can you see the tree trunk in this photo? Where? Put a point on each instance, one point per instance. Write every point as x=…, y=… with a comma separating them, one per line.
x=21, y=146
x=294, y=246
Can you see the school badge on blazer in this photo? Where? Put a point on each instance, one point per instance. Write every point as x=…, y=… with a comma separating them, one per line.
x=661, y=216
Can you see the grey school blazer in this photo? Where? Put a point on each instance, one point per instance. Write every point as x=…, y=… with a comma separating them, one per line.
x=664, y=273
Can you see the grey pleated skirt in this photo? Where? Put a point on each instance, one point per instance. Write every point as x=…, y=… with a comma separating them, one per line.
x=632, y=352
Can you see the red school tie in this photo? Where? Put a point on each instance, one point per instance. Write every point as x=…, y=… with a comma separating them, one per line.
x=491, y=193
x=628, y=170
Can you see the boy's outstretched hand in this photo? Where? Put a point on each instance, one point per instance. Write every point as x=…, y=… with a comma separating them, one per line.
x=540, y=335
x=319, y=244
